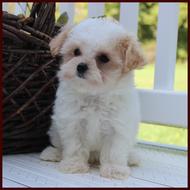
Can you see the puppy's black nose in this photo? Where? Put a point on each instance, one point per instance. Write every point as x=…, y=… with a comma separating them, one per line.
x=81, y=69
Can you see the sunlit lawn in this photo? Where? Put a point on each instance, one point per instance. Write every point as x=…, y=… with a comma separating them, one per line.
x=157, y=133
x=163, y=134
x=145, y=77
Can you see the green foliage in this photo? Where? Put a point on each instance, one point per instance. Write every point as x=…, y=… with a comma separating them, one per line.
x=112, y=10
x=63, y=19
x=182, y=33
x=148, y=13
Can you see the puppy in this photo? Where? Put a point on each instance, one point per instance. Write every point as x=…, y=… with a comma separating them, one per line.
x=96, y=111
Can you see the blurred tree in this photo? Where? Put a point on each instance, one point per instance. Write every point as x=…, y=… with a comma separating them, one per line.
x=182, y=33
x=112, y=10
x=148, y=13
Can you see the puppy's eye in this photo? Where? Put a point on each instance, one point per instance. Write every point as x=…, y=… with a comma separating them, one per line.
x=77, y=52
x=103, y=58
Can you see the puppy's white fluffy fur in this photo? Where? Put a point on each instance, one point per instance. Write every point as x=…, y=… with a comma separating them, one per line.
x=96, y=117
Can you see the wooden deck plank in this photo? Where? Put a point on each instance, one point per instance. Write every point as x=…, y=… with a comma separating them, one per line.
x=10, y=183
x=158, y=169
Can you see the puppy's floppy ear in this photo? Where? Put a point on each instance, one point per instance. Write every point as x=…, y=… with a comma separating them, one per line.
x=57, y=42
x=133, y=55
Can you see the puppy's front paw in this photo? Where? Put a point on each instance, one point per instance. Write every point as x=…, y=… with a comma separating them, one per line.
x=73, y=167
x=51, y=154
x=114, y=171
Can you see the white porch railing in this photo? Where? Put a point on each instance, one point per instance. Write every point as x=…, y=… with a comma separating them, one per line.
x=161, y=105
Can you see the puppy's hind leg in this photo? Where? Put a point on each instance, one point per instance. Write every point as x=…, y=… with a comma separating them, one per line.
x=51, y=153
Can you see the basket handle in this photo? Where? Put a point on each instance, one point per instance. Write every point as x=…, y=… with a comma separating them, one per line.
x=44, y=17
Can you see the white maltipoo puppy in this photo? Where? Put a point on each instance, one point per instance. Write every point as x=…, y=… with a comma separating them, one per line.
x=96, y=111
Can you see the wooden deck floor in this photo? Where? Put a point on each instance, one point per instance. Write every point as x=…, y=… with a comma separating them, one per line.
x=158, y=169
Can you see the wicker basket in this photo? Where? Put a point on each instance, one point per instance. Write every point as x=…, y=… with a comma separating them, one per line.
x=29, y=79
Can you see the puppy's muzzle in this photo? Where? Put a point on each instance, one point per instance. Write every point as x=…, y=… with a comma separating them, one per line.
x=81, y=69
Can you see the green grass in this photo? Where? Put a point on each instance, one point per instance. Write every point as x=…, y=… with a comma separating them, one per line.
x=163, y=134
x=157, y=133
x=180, y=83
x=144, y=78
